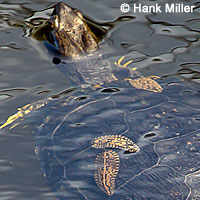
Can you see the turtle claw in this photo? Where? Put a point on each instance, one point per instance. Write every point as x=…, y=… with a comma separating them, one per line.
x=118, y=62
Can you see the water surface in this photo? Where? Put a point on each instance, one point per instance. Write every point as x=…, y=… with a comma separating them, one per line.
x=166, y=45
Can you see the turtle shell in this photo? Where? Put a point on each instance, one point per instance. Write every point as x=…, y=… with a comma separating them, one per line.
x=164, y=125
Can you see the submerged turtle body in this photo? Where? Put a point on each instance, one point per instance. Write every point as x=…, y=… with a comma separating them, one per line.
x=159, y=128
x=165, y=126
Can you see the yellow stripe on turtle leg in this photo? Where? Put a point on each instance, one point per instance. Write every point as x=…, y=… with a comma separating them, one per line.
x=127, y=63
x=118, y=63
x=25, y=110
x=11, y=119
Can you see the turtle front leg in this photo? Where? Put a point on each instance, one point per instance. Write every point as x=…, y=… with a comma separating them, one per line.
x=144, y=83
x=118, y=62
x=133, y=70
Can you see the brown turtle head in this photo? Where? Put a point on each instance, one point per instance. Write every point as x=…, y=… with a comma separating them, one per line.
x=73, y=37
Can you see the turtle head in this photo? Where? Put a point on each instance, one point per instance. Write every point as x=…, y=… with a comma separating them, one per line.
x=72, y=35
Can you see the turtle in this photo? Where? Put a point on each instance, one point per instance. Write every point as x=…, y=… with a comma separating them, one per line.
x=162, y=130
x=164, y=126
x=70, y=35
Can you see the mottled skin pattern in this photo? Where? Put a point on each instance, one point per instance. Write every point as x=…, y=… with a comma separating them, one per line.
x=72, y=34
x=115, y=141
x=106, y=170
x=146, y=83
x=107, y=162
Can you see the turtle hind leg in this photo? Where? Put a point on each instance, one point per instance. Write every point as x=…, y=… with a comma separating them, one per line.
x=25, y=110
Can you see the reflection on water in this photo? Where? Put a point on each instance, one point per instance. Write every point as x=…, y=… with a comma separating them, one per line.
x=165, y=126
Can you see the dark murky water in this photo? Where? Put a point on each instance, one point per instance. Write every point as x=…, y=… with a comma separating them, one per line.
x=166, y=45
